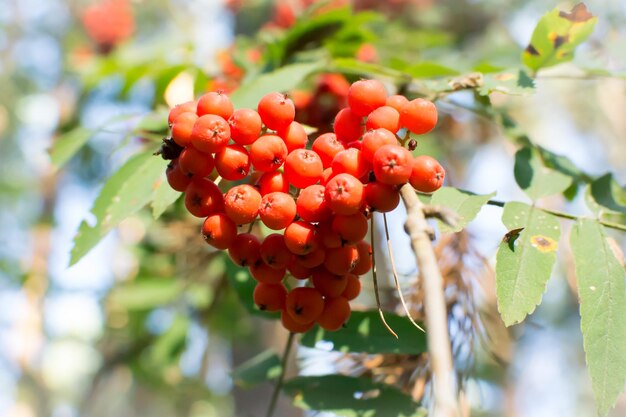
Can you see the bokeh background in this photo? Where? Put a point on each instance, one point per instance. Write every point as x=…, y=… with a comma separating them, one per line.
x=134, y=327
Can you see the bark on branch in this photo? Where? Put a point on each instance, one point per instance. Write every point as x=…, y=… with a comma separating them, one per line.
x=439, y=349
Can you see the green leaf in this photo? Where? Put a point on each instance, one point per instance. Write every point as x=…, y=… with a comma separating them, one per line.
x=464, y=203
x=509, y=82
x=171, y=344
x=66, y=145
x=427, y=69
x=524, y=260
x=242, y=282
x=125, y=192
x=355, y=67
x=536, y=179
x=608, y=194
x=365, y=332
x=602, y=296
x=164, y=196
x=153, y=122
x=263, y=367
x=557, y=35
x=283, y=79
x=347, y=396
x=145, y=294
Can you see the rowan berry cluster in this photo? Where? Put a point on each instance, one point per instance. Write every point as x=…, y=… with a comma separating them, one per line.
x=318, y=200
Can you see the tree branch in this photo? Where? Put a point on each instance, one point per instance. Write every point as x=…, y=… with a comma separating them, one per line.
x=439, y=350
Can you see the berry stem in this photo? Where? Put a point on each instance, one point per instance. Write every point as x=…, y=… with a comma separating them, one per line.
x=281, y=377
x=380, y=310
x=439, y=348
x=395, y=275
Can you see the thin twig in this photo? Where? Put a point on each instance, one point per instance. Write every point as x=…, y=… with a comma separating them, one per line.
x=380, y=310
x=439, y=348
x=281, y=377
x=395, y=275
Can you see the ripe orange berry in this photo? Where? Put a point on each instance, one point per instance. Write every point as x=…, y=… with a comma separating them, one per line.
x=274, y=251
x=392, y=165
x=232, y=162
x=381, y=197
x=327, y=236
x=210, y=133
x=269, y=297
x=276, y=110
x=294, y=136
x=290, y=324
x=374, y=140
x=327, y=146
x=182, y=128
x=353, y=287
x=351, y=228
x=327, y=174
x=273, y=181
x=245, y=126
x=348, y=126
x=327, y=283
x=303, y=168
x=351, y=162
x=264, y=273
x=419, y=116
x=365, y=96
x=188, y=107
x=297, y=270
x=277, y=210
x=301, y=238
x=175, y=177
x=396, y=101
x=341, y=260
x=245, y=249
x=195, y=163
x=241, y=203
x=365, y=258
x=344, y=194
x=336, y=313
x=304, y=304
x=216, y=103
x=203, y=197
x=311, y=204
x=311, y=260
x=385, y=117
x=219, y=231
x=427, y=175
x=268, y=153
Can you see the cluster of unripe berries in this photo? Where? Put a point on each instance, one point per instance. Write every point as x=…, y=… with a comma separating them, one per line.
x=318, y=200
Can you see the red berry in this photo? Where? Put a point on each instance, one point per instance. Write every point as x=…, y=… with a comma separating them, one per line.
x=344, y=194
x=336, y=313
x=274, y=251
x=348, y=126
x=182, y=128
x=269, y=297
x=273, y=181
x=264, y=273
x=375, y=139
x=203, y=197
x=245, y=249
x=392, y=165
x=364, y=96
x=351, y=161
x=396, y=101
x=195, y=163
x=245, y=126
x=311, y=204
x=419, y=116
x=351, y=229
x=232, y=162
x=327, y=146
x=303, y=168
x=385, y=117
x=188, y=107
x=427, y=175
x=301, y=238
x=268, y=153
x=381, y=197
x=341, y=260
x=276, y=110
x=294, y=136
x=175, y=176
x=327, y=283
x=210, y=133
x=277, y=210
x=219, y=231
x=304, y=304
x=241, y=204
x=215, y=103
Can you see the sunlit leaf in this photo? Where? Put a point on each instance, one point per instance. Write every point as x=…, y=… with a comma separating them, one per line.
x=535, y=178
x=66, y=145
x=171, y=344
x=365, y=332
x=427, y=69
x=164, y=196
x=464, y=203
x=609, y=194
x=283, y=79
x=350, y=397
x=508, y=82
x=524, y=260
x=602, y=295
x=125, y=192
x=145, y=294
x=263, y=367
x=557, y=35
